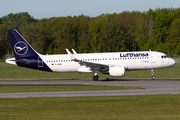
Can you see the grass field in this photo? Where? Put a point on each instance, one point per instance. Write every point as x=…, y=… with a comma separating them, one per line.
x=146, y=107
x=13, y=72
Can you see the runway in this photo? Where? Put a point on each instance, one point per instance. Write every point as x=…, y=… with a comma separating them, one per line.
x=159, y=86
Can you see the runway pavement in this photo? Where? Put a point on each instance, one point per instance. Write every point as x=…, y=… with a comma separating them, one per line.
x=159, y=86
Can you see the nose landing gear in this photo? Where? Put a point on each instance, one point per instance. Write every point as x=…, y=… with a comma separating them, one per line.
x=153, y=77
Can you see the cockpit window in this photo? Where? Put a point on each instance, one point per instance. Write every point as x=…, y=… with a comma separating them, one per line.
x=164, y=56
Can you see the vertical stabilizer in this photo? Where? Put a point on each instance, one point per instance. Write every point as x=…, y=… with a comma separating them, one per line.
x=20, y=46
x=25, y=55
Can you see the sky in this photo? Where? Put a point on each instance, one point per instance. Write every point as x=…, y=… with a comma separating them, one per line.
x=57, y=8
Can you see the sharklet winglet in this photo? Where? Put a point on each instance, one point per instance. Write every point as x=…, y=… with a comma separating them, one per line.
x=70, y=55
x=74, y=51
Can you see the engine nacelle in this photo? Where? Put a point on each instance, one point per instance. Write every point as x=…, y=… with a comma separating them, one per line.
x=117, y=71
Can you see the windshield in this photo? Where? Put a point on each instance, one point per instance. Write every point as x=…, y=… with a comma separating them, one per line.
x=164, y=56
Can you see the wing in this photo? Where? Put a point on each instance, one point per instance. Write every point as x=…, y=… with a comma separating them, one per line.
x=92, y=65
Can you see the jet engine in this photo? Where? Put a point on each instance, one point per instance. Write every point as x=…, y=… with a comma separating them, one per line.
x=117, y=71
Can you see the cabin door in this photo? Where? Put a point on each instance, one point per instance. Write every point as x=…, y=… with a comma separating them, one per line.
x=40, y=62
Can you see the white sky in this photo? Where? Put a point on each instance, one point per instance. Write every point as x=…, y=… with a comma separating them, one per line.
x=55, y=8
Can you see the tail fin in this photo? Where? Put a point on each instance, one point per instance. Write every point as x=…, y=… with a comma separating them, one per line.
x=20, y=46
x=25, y=55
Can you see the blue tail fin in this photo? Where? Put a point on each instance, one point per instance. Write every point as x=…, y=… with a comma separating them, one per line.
x=21, y=48
x=25, y=55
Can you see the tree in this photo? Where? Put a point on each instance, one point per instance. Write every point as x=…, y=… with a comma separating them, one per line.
x=174, y=37
x=5, y=46
x=83, y=35
x=125, y=26
x=95, y=31
x=34, y=34
x=17, y=21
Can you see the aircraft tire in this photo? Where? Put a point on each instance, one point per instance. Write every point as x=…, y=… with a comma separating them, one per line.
x=153, y=77
x=95, y=78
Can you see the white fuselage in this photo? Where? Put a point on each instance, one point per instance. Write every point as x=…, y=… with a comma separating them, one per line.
x=129, y=60
x=112, y=63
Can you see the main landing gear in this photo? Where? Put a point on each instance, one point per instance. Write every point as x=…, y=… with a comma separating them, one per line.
x=95, y=77
x=153, y=77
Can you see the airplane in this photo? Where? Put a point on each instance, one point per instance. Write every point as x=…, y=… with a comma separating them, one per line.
x=111, y=63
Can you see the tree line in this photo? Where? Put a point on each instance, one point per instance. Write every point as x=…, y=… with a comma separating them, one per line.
x=157, y=30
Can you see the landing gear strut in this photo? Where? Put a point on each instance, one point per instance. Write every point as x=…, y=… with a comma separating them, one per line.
x=153, y=77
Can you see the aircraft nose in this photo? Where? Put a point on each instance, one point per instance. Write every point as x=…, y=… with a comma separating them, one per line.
x=172, y=62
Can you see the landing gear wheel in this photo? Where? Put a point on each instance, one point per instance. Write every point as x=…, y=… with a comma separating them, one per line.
x=95, y=78
x=153, y=77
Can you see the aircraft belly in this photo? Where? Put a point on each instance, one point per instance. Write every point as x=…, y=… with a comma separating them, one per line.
x=145, y=66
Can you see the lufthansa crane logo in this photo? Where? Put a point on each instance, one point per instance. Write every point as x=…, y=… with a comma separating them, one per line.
x=20, y=48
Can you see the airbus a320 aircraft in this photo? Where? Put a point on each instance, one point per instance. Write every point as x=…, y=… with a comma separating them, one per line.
x=112, y=63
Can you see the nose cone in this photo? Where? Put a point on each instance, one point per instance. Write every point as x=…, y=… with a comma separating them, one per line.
x=171, y=62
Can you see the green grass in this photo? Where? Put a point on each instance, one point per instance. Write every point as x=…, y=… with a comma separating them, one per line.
x=8, y=89
x=13, y=72
x=86, y=108
x=146, y=107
